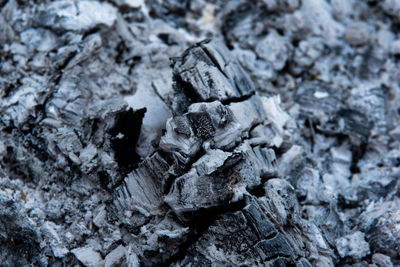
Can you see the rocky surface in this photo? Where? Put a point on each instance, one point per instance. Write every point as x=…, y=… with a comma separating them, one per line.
x=200, y=133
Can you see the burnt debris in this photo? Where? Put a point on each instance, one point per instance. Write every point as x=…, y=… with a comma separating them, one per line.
x=199, y=133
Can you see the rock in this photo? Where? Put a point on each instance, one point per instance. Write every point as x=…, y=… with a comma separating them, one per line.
x=395, y=47
x=357, y=34
x=79, y=17
x=275, y=49
x=391, y=7
x=59, y=249
x=353, y=245
x=381, y=260
x=115, y=257
x=88, y=257
x=282, y=5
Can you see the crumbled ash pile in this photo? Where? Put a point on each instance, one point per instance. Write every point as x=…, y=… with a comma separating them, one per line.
x=200, y=133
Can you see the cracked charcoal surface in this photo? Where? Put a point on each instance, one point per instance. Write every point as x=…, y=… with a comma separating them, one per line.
x=200, y=133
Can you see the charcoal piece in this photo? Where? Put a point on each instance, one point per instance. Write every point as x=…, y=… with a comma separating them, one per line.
x=282, y=5
x=281, y=199
x=205, y=72
x=350, y=122
x=259, y=221
x=214, y=184
x=87, y=256
x=354, y=121
x=182, y=126
x=246, y=236
x=222, y=126
x=141, y=189
x=268, y=161
x=275, y=49
x=219, y=178
x=356, y=34
x=375, y=184
x=171, y=11
x=116, y=257
x=381, y=260
x=273, y=247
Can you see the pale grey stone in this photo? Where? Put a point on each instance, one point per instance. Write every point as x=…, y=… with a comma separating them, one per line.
x=353, y=245
x=88, y=257
x=116, y=257
x=357, y=33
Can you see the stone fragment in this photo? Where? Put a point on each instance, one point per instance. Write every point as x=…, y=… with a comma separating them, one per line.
x=391, y=7
x=88, y=257
x=357, y=34
x=395, y=47
x=381, y=260
x=78, y=17
x=275, y=49
x=353, y=245
x=282, y=5
x=116, y=257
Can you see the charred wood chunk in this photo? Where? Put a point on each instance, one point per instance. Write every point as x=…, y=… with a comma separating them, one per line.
x=207, y=72
x=246, y=236
x=141, y=190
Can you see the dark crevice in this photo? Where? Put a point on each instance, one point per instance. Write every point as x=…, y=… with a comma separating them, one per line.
x=124, y=136
x=11, y=87
x=121, y=49
x=258, y=191
x=64, y=64
x=90, y=32
x=132, y=62
x=180, y=170
x=186, y=94
x=3, y=3
x=213, y=59
x=357, y=154
x=344, y=203
x=104, y=179
x=238, y=99
x=311, y=125
x=167, y=39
